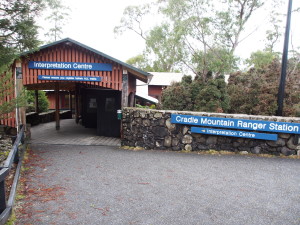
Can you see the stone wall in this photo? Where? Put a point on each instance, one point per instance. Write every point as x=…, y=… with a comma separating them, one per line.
x=152, y=129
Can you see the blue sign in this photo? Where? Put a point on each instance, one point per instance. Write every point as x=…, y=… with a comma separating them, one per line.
x=234, y=133
x=68, y=78
x=241, y=124
x=69, y=66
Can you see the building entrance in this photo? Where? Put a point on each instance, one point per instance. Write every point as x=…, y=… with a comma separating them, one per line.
x=99, y=110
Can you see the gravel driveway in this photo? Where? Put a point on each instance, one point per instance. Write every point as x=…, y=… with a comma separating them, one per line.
x=68, y=184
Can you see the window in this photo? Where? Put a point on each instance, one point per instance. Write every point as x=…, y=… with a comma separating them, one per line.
x=109, y=104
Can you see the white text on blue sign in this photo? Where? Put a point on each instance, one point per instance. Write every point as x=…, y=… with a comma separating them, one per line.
x=234, y=133
x=242, y=124
x=69, y=66
x=69, y=78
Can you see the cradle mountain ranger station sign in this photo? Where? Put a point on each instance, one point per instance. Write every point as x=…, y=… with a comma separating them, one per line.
x=240, y=124
x=69, y=66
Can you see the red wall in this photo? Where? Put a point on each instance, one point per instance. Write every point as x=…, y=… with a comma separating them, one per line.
x=155, y=91
x=71, y=53
x=63, y=100
x=8, y=119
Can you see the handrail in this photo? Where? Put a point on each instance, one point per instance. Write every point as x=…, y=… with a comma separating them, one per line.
x=12, y=154
x=13, y=157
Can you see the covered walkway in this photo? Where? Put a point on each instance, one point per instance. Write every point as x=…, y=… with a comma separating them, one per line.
x=70, y=133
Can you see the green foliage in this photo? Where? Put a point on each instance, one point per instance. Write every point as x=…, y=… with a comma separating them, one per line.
x=132, y=20
x=209, y=31
x=213, y=96
x=164, y=44
x=42, y=98
x=8, y=101
x=18, y=30
x=145, y=106
x=197, y=95
x=198, y=35
x=140, y=62
x=18, y=33
x=217, y=61
x=261, y=59
x=177, y=97
x=255, y=91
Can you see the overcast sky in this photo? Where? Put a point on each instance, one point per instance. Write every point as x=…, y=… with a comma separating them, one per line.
x=92, y=22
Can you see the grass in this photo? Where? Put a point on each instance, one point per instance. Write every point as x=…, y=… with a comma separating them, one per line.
x=132, y=148
x=12, y=219
x=221, y=152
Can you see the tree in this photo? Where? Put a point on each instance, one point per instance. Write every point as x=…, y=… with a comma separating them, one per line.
x=140, y=62
x=58, y=17
x=255, y=91
x=197, y=95
x=133, y=19
x=7, y=92
x=18, y=33
x=163, y=45
x=194, y=32
x=177, y=97
x=42, y=99
x=18, y=30
x=261, y=59
x=213, y=96
x=195, y=35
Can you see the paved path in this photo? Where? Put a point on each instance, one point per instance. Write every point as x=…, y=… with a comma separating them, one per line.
x=72, y=184
x=69, y=133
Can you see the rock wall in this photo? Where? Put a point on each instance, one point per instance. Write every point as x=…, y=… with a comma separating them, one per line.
x=152, y=129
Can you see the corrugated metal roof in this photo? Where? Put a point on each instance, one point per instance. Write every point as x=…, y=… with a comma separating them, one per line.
x=148, y=98
x=165, y=78
x=159, y=78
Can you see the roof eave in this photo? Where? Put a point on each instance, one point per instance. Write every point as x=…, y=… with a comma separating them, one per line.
x=140, y=74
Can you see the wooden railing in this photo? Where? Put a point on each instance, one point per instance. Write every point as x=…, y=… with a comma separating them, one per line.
x=15, y=156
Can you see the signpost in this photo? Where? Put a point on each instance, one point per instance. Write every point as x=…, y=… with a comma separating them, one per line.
x=44, y=65
x=209, y=123
x=240, y=124
x=234, y=133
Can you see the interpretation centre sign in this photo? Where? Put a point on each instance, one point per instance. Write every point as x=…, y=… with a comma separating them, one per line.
x=69, y=66
x=240, y=124
x=69, y=78
x=234, y=133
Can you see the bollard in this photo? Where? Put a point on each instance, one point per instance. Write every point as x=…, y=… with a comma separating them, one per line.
x=119, y=113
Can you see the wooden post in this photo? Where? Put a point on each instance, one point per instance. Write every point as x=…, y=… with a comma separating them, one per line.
x=131, y=99
x=2, y=196
x=76, y=105
x=36, y=102
x=124, y=89
x=4, y=173
x=70, y=101
x=57, y=106
x=21, y=110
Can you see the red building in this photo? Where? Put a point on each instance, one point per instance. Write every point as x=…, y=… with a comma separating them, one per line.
x=158, y=82
x=99, y=84
x=66, y=100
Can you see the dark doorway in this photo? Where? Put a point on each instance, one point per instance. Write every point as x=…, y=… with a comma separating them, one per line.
x=107, y=122
x=100, y=111
x=89, y=109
